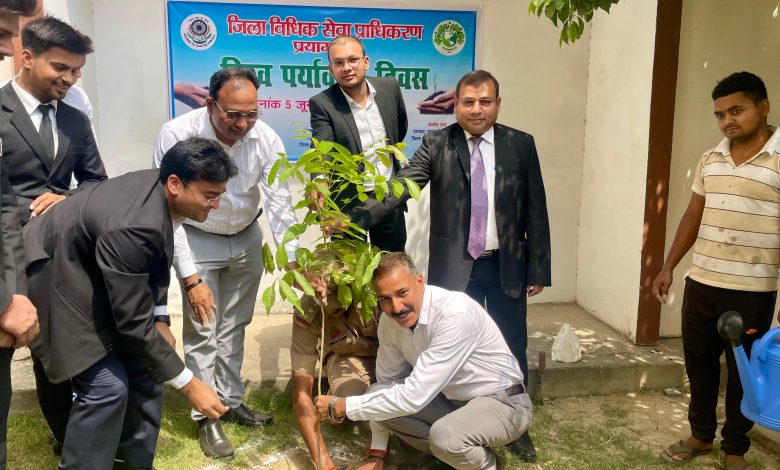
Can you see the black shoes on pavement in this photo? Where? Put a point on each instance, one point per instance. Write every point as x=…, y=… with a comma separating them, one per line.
x=523, y=448
x=246, y=417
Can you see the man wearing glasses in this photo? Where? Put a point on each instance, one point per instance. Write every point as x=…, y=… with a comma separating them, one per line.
x=362, y=114
x=219, y=261
x=494, y=243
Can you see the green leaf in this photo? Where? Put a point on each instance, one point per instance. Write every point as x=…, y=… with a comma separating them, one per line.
x=380, y=190
x=369, y=271
x=383, y=157
x=289, y=294
x=414, y=189
x=304, y=203
x=295, y=231
x=360, y=269
x=268, y=298
x=304, y=283
x=325, y=146
x=275, y=169
x=362, y=197
x=281, y=256
x=344, y=295
x=398, y=188
x=302, y=256
x=268, y=259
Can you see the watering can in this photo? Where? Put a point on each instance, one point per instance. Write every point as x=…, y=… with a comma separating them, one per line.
x=760, y=375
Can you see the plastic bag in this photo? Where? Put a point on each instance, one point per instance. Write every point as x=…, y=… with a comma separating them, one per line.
x=566, y=347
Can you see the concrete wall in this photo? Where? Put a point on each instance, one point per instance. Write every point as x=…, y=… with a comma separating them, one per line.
x=718, y=37
x=543, y=88
x=611, y=213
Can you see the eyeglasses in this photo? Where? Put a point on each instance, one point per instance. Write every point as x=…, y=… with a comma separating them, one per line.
x=483, y=102
x=339, y=64
x=209, y=200
x=235, y=116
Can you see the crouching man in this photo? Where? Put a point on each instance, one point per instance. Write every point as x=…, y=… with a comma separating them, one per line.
x=447, y=383
x=350, y=354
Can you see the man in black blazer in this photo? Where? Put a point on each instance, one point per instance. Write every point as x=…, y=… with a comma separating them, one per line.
x=362, y=113
x=45, y=141
x=99, y=263
x=501, y=254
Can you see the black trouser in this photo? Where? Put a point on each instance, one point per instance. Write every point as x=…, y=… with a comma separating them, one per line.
x=389, y=234
x=509, y=314
x=54, y=399
x=702, y=306
x=5, y=399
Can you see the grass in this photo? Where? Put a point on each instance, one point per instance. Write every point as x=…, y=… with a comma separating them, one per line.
x=606, y=435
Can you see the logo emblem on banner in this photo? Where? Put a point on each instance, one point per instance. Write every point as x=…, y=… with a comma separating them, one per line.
x=198, y=31
x=449, y=37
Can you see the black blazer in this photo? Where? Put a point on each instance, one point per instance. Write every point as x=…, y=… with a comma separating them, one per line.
x=29, y=169
x=108, y=251
x=520, y=205
x=12, y=275
x=332, y=119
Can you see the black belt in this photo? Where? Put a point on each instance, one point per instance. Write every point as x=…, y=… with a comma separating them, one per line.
x=515, y=389
x=488, y=253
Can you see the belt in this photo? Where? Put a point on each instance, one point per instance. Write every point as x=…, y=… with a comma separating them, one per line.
x=488, y=253
x=515, y=389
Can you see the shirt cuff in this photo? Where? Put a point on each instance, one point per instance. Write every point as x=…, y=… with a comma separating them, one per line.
x=182, y=379
x=380, y=435
x=186, y=268
x=354, y=406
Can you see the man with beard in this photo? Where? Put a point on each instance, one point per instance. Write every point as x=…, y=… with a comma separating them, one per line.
x=447, y=383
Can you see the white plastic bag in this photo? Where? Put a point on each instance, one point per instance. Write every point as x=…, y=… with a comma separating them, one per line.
x=566, y=347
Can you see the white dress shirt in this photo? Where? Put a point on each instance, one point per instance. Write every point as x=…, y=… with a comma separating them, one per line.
x=31, y=104
x=456, y=349
x=372, y=132
x=488, y=149
x=254, y=155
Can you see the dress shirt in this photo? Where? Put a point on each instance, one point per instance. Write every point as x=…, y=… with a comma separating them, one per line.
x=254, y=155
x=31, y=104
x=372, y=132
x=456, y=349
x=488, y=149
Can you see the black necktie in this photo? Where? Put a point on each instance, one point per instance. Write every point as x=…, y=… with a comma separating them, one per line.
x=47, y=136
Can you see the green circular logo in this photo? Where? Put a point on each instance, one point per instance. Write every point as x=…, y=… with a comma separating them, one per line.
x=449, y=37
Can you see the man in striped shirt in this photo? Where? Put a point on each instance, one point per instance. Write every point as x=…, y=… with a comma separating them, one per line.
x=733, y=224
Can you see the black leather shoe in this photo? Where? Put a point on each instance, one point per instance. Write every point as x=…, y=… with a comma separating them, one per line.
x=246, y=417
x=213, y=440
x=523, y=448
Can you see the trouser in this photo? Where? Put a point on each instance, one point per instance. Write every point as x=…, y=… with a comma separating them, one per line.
x=115, y=413
x=349, y=376
x=462, y=434
x=5, y=399
x=231, y=266
x=509, y=314
x=55, y=400
x=702, y=345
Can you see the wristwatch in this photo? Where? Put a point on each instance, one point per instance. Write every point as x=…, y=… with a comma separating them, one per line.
x=163, y=319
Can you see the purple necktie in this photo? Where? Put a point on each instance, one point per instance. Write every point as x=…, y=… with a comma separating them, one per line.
x=479, y=202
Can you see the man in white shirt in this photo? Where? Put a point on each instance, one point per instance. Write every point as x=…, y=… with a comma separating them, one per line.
x=219, y=262
x=442, y=368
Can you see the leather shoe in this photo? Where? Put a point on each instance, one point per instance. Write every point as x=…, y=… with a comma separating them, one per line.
x=244, y=416
x=523, y=448
x=213, y=440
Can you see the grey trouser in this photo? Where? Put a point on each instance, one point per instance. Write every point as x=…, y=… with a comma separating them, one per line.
x=461, y=434
x=231, y=266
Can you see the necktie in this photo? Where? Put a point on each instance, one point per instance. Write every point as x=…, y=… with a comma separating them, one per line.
x=47, y=136
x=479, y=202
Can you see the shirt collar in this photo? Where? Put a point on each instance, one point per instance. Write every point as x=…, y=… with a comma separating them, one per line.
x=772, y=145
x=29, y=102
x=353, y=103
x=422, y=315
x=488, y=136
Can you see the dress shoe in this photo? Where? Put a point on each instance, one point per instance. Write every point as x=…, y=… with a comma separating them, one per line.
x=246, y=417
x=213, y=440
x=523, y=448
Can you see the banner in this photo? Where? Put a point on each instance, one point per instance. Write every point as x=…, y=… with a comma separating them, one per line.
x=427, y=51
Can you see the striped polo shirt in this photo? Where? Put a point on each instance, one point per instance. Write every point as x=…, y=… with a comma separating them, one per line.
x=738, y=246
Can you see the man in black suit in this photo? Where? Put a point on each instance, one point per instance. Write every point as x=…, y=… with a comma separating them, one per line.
x=45, y=141
x=43, y=151
x=490, y=235
x=18, y=319
x=362, y=114
x=100, y=264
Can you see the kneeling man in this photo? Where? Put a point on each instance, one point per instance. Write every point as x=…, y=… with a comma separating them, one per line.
x=447, y=382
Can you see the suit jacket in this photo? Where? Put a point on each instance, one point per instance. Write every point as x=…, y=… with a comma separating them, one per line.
x=29, y=170
x=107, y=252
x=12, y=274
x=332, y=119
x=520, y=207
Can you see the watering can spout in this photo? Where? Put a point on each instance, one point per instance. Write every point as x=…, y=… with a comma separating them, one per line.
x=730, y=328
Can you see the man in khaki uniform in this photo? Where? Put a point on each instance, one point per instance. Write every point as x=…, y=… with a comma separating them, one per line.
x=350, y=354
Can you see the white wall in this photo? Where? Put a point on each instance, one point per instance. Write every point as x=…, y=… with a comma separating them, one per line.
x=718, y=37
x=615, y=163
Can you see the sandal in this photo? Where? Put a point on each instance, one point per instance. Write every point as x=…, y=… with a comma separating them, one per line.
x=681, y=447
x=726, y=466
